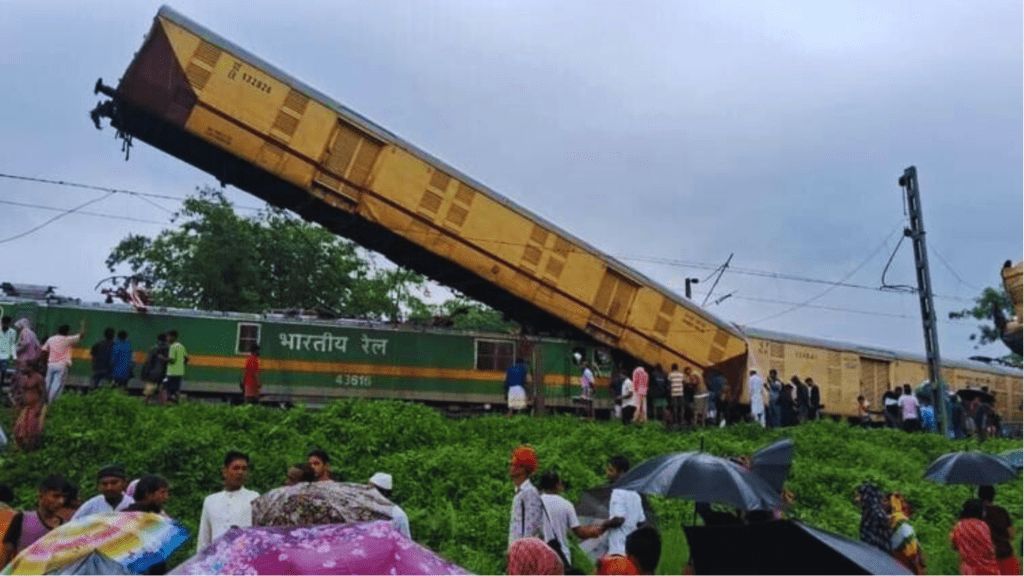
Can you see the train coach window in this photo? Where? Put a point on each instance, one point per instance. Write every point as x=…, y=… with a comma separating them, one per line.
x=494, y=354
x=248, y=334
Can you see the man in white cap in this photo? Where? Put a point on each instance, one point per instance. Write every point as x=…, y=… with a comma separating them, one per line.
x=399, y=521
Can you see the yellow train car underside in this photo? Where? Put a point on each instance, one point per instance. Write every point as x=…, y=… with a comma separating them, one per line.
x=327, y=163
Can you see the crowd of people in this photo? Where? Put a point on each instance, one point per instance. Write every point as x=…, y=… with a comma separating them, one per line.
x=58, y=501
x=40, y=370
x=540, y=523
x=905, y=408
x=982, y=536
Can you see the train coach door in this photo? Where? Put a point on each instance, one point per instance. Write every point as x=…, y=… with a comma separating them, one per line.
x=874, y=380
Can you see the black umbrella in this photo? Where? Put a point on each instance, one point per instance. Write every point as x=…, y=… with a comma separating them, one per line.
x=782, y=547
x=773, y=463
x=701, y=477
x=970, y=468
x=968, y=394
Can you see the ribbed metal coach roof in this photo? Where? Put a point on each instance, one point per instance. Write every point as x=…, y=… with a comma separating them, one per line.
x=391, y=138
x=871, y=351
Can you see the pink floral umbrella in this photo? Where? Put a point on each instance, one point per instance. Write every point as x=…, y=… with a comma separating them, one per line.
x=362, y=548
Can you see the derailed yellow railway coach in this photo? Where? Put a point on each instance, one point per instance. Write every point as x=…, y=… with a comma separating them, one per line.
x=208, y=102
x=844, y=371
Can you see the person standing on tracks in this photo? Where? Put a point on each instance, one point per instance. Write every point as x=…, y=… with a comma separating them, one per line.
x=122, y=361
x=802, y=401
x=629, y=400
x=774, y=386
x=8, y=348
x=59, y=346
x=251, y=377
x=515, y=386
x=587, y=389
x=756, y=385
x=814, y=405
x=615, y=383
x=908, y=410
x=891, y=407
x=101, y=352
x=690, y=384
x=675, y=383
x=177, y=358
x=640, y=388
x=154, y=370
x=658, y=393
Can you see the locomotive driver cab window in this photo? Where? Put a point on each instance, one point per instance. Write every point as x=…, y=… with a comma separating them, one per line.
x=494, y=354
x=248, y=334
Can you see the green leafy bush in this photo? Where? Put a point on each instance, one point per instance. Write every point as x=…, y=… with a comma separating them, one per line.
x=451, y=475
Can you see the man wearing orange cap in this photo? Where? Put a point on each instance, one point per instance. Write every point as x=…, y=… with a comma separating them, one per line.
x=527, y=509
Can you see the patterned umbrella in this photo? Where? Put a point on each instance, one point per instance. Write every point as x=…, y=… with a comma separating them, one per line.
x=136, y=540
x=363, y=548
x=320, y=503
x=970, y=468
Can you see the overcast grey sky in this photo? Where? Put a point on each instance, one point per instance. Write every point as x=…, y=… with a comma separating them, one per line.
x=681, y=131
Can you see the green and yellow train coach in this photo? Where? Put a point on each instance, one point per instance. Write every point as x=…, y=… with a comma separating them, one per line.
x=311, y=361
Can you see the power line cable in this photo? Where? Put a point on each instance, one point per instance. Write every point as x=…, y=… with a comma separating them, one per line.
x=665, y=261
x=950, y=268
x=830, y=288
x=81, y=212
x=141, y=195
x=57, y=217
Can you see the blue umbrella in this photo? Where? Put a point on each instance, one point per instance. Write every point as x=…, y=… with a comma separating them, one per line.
x=970, y=468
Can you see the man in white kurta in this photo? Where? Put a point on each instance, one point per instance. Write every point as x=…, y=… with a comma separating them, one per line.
x=756, y=402
x=230, y=507
x=112, y=484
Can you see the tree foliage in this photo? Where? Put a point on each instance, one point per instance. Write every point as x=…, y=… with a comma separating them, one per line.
x=984, y=306
x=218, y=260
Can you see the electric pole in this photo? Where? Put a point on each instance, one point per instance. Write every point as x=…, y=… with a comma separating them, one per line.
x=924, y=291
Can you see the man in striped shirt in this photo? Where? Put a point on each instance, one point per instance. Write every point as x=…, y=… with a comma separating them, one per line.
x=675, y=380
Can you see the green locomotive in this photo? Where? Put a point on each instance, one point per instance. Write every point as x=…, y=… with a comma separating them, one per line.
x=311, y=361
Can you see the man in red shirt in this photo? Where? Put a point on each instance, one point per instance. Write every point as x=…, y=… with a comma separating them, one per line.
x=251, y=380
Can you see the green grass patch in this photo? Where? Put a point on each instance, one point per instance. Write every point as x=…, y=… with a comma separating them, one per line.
x=450, y=475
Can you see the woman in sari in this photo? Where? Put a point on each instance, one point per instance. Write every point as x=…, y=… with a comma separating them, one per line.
x=533, y=556
x=874, y=520
x=972, y=539
x=28, y=344
x=28, y=428
x=905, y=546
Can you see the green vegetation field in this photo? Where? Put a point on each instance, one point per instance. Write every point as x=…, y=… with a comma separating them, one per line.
x=450, y=476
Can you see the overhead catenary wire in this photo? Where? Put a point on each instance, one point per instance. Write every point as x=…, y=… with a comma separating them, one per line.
x=636, y=258
x=141, y=195
x=82, y=212
x=830, y=288
x=57, y=217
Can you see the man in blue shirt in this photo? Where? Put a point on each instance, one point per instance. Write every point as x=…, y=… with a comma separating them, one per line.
x=121, y=360
x=515, y=386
